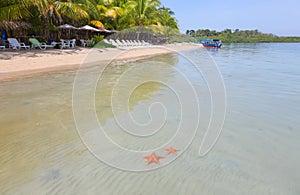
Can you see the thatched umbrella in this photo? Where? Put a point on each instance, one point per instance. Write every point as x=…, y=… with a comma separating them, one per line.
x=11, y=26
x=14, y=25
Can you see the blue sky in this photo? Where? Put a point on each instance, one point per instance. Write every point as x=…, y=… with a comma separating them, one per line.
x=279, y=17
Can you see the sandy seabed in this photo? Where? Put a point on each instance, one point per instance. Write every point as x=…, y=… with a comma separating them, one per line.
x=26, y=63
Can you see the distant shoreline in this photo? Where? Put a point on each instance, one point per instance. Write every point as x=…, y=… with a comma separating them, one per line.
x=225, y=40
x=259, y=42
x=241, y=36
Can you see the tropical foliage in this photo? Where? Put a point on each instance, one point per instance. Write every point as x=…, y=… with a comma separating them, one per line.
x=45, y=15
x=239, y=36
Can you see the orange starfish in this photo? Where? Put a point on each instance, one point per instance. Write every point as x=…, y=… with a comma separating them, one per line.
x=153, y=158
x=171, y=150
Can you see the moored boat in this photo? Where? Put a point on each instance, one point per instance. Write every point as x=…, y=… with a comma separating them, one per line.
x=212, y=43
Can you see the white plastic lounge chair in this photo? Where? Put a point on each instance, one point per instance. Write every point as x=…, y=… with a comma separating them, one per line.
x=132, y=43
x=14, y=43
x=137, y=43
x=83, y=42
x=120, y=43
x=73, y=43
x=65, y=44
x=145, y=43
x=114, y=43
x=109, y=42
x=106, y=41
x=125, y=44
x=129, y=43
x=42, y=45
x=2, y=47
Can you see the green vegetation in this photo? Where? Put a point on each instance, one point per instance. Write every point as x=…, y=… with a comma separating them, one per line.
x=103, y=45
x=239, y=36
x=180, y=38
x=97, y=39
x=41, y=17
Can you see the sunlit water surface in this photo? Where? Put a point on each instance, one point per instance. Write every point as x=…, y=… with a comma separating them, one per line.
x=257, y=152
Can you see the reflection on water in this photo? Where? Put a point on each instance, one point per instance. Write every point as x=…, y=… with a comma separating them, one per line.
x=258, y=152
x=112, y=73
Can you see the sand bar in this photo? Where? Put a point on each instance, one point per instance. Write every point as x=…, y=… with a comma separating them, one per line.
x=17, y=64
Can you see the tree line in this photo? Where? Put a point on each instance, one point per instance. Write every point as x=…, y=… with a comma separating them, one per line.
x=240, y=36
x=44, y=16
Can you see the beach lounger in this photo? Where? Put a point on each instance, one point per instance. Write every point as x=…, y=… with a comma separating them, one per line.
x=129, y=43
x=114, y=43
x=132, y=43
x=145, y=43
x=2, y=47
x=73, y=43
x=125, y=43
x=107, y=41
x=140, y=43
x=120, y=43
x=42, y=45
x=14, y=44
x=136, y=43
x=83, y=42
x=65, y=44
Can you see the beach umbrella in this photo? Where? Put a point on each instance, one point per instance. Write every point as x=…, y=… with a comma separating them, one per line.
x=104, y=30
x=113, y=31
x=89, y=28
x=67, y=26
x=100, y=26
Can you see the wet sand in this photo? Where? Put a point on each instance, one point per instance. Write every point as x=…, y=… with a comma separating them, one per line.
x=26, y=63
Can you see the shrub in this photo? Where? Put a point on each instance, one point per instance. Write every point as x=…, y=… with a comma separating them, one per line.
x=97, y=39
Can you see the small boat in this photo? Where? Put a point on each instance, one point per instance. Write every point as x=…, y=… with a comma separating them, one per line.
x=212, y=43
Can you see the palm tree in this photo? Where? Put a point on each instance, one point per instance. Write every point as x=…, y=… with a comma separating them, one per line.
x=14, y=10
x=109, y=12
x=11, y=13
x=52, y=11
x=167, y=20
x=124, y=20
x=114, y=14
x=145, y=11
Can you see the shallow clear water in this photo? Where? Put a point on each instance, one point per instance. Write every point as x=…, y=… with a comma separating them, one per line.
x=257, y=153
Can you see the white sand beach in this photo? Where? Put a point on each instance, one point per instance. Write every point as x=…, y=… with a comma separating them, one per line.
x=16, y=64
